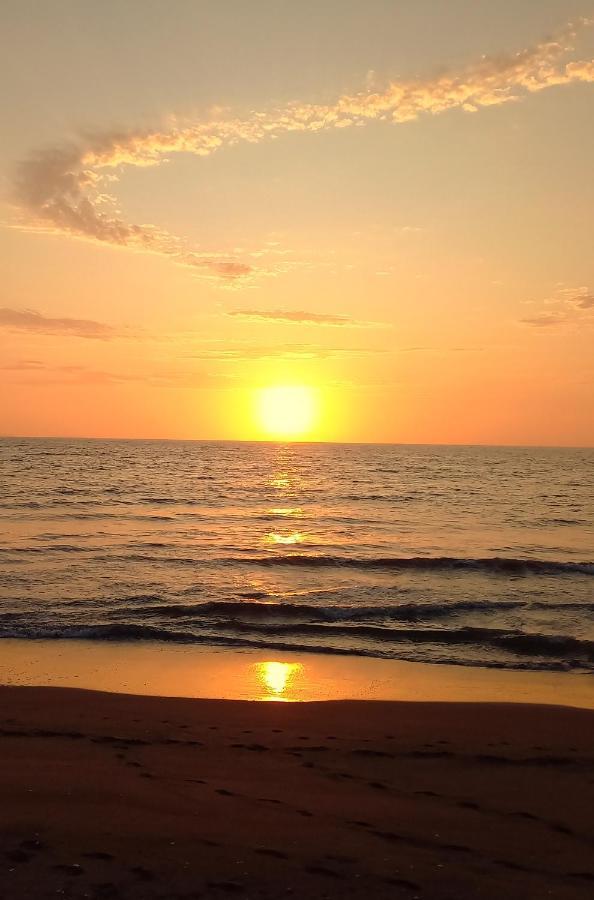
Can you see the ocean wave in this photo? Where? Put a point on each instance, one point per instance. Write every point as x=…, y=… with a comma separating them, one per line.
x=542, y=652
x=560, y=646
x=263, y=609
x=489, y=564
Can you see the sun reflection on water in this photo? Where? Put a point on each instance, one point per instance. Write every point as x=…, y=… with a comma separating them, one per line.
x=277, y=678
x=295, y=537
x=280, y=480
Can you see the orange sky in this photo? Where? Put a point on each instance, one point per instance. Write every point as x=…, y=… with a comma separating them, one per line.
x=392, y=204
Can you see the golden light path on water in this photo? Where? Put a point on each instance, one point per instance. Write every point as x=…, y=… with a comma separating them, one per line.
x=283, y=483
x=281, y=480
x=295, y=537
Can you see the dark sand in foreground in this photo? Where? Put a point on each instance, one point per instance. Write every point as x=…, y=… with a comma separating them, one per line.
x=108, y=796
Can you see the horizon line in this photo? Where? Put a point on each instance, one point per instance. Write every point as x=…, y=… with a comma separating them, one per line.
x=284, y=443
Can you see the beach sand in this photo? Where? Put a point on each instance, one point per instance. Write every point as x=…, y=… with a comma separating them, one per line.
x=110, y=795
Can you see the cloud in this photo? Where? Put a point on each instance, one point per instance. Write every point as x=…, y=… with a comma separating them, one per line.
x=440, y=350
x=299, y=317
x=43, y=374
x=567, y=306
x=35, y=323
x=580, y=298
x=35, y=372
x=544, y=320
x=65, y=189
x=241, y=352
x=23, y=365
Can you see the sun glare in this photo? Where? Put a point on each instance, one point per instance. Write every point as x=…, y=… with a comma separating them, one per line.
x=287, y=412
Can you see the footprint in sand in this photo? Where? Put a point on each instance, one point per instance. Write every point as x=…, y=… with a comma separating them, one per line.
x=229, y=887
x=403, y=882
x=73, y=869
x=268, y=851
x=18, y=856
x=143, y=874
x=33, y=844
x=584, y=876
x=323, y=870
x=561, y=829
x=105, y=891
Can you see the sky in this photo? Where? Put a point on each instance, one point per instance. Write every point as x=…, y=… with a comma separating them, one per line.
x=389, y=205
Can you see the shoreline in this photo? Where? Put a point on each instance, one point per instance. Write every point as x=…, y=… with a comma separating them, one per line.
x=164, y=670
x=111, y=796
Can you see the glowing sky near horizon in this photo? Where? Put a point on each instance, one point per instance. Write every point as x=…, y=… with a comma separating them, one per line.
x=388, y=204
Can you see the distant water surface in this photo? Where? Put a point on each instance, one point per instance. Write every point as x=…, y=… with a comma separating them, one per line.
x=468, y=555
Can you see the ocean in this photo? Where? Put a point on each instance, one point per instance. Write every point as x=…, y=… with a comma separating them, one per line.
x=477, y=556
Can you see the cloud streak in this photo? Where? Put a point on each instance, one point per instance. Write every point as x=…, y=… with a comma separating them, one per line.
x=244, y=351
x=28, y=320
x=300, y=317
x=65, y=189
x=45, y=374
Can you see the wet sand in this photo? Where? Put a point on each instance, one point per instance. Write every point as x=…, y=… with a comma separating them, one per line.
x=187, y=670
x=109, y=796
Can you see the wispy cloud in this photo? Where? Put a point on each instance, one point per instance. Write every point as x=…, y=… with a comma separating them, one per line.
x=567, y=306
x=440, y=349
x=240, y=352
x=23, y=365
x=65, y=189
x=44, y=374
x=579, y=298
x=300, y=317
x=544, y=320
x=35, y=323
x=35, y=372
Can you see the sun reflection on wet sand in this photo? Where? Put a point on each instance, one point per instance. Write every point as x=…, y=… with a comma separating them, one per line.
x=277, y=679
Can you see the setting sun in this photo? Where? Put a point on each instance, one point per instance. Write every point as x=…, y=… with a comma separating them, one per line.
x=287, y=412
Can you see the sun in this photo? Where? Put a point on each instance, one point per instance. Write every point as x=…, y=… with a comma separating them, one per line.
x=287, y=412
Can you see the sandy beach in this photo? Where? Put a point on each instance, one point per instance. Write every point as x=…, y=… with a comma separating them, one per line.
x=110, y=795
